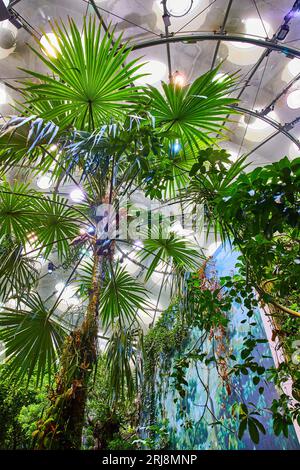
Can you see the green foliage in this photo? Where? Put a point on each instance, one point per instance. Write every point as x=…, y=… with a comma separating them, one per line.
x=14, y=400
x=158, y=437
x=193, y=111
x=163, y=339
x=207, y=308
x=122, y=298
x=249, y=421
x=263, y=202
x=107, y=426
x=33, y=338
x=173, y=251
x=89, y=81
x=58, y=225
x=105, y=132
x=17, y=217
x=24, y=211
x=29, y=415
x=123, y=360
x=18, y=273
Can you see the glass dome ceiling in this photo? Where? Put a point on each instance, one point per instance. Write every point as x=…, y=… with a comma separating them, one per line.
x=258, y=41
x=243, y=37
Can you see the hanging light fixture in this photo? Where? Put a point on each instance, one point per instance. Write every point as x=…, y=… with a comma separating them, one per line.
x=179, y=79
x=51, y=267
x=283, y=32
x=175, y=147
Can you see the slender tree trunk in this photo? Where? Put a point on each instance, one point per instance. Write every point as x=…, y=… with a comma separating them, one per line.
x=61, y=428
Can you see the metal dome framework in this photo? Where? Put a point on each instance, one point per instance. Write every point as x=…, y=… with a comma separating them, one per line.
x=167, y=38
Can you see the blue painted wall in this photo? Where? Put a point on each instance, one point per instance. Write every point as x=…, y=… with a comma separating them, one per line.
x=194, y=430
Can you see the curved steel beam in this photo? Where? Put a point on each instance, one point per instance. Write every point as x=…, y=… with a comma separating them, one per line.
x=271, y=122
x=196, y=36
x=266, y=44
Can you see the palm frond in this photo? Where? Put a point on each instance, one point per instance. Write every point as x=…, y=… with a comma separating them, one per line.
x=17, y=216
x=58, y=225
x=195, y=111
x=89, y=152
x=122, y=361
x=14, y=150
x=122, y=297
x=214, y=174
x=91, y=78
x=18, y=273
x=214, y=181
x=32, y=337
x=173, y=252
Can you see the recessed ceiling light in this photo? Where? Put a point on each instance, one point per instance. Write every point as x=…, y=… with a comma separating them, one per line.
x=293, y=99
x=59, y=286
x=3, y=96
x=77, y=195
x=50, y=44
x=157, y=71
x=258, y=124
x=44, y=182
x=253, y=27
x=294, y=66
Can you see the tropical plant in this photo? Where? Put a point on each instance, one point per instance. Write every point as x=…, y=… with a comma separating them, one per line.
x=88, y=124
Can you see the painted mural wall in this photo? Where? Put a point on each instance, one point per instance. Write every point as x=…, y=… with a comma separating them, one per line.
x=189, y=420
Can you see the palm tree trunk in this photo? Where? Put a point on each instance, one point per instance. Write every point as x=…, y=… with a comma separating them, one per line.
x=61, y=428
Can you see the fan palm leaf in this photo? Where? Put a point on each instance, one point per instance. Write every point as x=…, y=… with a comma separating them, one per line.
x=90, y=81
x=172, y=252
x=215, y=181
x=17, y=216
x=195, y=111
x=122, y=297
x=17, y=272
x=33, y=338
x=58, y=225
x=122, y=361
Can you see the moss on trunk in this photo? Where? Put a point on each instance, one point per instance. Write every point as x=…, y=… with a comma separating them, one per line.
x=62, y=424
